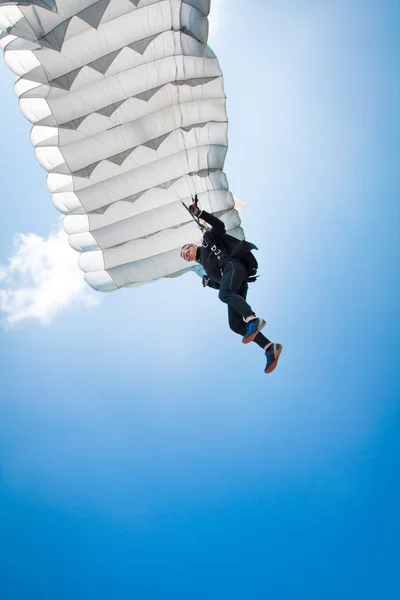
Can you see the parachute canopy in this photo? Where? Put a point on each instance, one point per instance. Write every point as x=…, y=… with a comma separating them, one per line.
x=128, y=111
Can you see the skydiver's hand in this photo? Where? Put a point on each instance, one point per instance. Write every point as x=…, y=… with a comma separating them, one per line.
x=194, y=210
x=205, y=280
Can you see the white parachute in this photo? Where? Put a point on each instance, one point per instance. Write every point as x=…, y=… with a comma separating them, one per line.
x=128, y=111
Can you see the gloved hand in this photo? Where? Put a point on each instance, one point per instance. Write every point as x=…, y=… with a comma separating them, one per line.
x=194, y=210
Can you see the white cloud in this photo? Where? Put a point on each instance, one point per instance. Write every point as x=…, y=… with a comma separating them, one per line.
x=41, y=279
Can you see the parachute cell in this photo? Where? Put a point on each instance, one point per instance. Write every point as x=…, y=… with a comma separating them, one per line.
x=128, y=111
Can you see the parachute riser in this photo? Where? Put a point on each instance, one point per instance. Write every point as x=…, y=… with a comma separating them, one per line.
x=195, y=201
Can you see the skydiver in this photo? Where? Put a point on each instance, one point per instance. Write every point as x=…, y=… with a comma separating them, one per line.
x=230, y=276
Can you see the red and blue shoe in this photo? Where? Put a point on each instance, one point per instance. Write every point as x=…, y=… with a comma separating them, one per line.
x=272, y=353
x=253, y=327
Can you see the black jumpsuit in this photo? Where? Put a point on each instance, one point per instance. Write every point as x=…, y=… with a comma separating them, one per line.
x=226, y=274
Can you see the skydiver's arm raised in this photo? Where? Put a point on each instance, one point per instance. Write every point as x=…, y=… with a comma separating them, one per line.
x=217, y=226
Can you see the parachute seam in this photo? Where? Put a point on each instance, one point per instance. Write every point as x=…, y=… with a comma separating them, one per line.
x=107, y=207
x=191, y=173
x=101, y=22
x=86, y=115
x=141, y=214
x=129, y=123
x=143, y=144
x=49, y=81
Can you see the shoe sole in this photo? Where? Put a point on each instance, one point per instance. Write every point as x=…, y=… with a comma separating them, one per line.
x=273, y=365
x=253, y=335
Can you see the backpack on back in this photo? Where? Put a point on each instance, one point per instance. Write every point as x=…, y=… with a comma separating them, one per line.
x=242, y=250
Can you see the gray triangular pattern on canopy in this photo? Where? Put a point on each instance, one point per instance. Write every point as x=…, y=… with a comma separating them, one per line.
x=156, y=143
x=204, y=172
x=196, y=125
x=167, y=184
x=195, y=81
x=55, y=39
x=107, y=111
x=78, y=211
x=23, y=30
x=49, y=4
x=93, y=14
x=102, y=64
x=135, y=2
x=148, y=94
x=65, y=81
x=86, y=171
x=98, y=211
x=48, y=121
x=62, y=169
x=74, y=124
x=118, y=159
x=164, y=186
x=117, y=245
x=103, y=209
x=37, y=74
x=142, y=45
x=187, y=31
x=134, y=197
x=23, y=44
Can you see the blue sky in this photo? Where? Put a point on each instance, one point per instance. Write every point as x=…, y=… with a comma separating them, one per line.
x=144, y=453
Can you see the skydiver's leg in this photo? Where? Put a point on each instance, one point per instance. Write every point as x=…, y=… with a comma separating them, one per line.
x=233, y=292
x=233, y=277
x=238, y=324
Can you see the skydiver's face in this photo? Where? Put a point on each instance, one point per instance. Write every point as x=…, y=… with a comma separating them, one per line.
x=189, y=252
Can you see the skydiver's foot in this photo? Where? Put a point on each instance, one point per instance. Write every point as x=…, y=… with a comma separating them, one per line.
x=272, y=353
x=253, y=327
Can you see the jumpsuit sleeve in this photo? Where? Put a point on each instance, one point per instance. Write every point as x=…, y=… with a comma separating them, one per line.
x=218, y=226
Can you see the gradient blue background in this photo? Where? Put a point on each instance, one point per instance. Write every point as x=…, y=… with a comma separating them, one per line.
x=144, y=454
